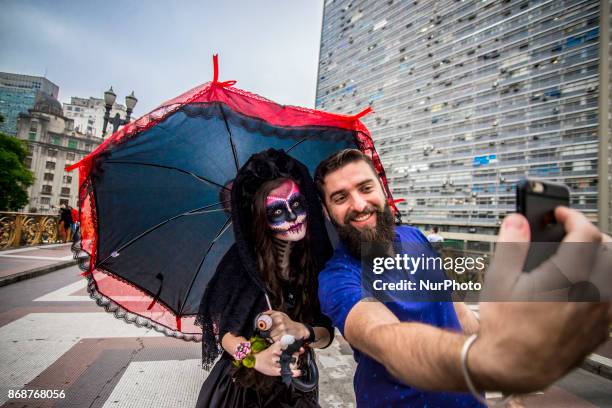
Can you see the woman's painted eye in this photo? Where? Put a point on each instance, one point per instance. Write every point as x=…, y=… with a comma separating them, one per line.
x=295, y=204
x=278, y=212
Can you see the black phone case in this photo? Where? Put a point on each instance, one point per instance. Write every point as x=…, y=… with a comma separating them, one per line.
x=538, y=208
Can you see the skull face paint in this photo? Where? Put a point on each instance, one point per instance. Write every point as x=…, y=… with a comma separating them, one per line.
x=286, y=212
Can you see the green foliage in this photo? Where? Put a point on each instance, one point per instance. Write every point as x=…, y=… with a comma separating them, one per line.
x=15, y=177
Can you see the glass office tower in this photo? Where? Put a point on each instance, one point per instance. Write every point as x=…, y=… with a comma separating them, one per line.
x=469, y=96
x=18, y=93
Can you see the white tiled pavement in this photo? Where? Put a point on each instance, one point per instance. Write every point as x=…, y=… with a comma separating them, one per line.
x=171, y=383
x=63, y=294
x=32, y=343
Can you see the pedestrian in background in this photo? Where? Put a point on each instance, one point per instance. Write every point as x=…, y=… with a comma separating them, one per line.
x=434, y=237
x=65, y=222
x=74, y=214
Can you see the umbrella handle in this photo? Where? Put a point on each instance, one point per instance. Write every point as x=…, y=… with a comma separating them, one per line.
x=310, y=378
x=268, y=301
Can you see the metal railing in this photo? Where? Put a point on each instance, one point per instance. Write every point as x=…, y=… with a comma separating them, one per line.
x=26, y=229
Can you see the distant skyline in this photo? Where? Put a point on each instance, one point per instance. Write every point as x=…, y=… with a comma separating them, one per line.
x=160, y=49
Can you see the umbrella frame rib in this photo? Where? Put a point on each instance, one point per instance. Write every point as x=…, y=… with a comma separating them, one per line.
x=153, y=228
x=231, y=140
x=200, y=178
x=297, y=144
x=224, y=228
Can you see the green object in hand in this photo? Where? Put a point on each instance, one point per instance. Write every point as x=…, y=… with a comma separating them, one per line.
x=257, y=344
x=249, y=361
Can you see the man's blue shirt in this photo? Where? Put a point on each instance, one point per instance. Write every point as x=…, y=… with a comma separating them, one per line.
x=340, y=288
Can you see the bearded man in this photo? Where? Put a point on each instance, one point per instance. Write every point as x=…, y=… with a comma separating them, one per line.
x=418, y=353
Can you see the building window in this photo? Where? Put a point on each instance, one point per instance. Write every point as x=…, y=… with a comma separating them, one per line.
x=65, y=191
x=70, y=156
x=56, y=140
x=32, y=136
x=28, y=162
x=46, y=189
x=52, y=153
x=68, y=179
x=50, y=165
x=45, y=200
x=73, y=144
x=48, y=177
x=63, y=201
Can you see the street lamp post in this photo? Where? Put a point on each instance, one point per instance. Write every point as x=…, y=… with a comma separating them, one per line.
x=116, y=121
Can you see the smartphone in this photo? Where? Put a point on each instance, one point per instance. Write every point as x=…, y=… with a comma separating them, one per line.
x=537, y=200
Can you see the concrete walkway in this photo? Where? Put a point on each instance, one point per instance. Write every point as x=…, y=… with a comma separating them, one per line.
x=24, y=263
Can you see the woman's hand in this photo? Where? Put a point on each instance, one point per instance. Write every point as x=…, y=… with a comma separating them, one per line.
x=267, y=361
x=282, y=324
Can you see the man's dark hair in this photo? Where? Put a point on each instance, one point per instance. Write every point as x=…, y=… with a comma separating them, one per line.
x=337, y=161
x=435, y=230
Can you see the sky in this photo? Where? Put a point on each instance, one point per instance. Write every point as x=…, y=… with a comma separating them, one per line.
x=160, y=49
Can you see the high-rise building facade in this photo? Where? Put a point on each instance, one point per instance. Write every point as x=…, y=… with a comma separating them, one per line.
x=88, y=115
x=18, y=94
x=469, y=96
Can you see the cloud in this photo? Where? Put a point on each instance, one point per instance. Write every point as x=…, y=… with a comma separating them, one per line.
x=161, y=49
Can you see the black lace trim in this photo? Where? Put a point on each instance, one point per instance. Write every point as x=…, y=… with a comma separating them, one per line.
x=132, y=318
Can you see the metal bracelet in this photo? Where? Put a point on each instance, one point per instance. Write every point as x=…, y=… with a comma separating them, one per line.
x=468, y=380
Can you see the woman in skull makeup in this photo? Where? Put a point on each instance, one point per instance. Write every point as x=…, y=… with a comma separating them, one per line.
x=281, y=244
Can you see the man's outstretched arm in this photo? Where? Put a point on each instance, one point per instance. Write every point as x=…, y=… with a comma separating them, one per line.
x=521, y=346
x=418, y=354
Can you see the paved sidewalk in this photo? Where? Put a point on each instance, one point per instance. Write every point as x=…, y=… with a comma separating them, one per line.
x=27, y=262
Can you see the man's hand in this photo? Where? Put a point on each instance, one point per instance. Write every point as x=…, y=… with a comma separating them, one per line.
x=282, y=324
x=525, y=346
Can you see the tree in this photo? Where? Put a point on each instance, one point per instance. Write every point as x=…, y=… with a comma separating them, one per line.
x=15, y=177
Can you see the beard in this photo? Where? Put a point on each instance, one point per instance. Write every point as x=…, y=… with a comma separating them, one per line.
x=377, y=241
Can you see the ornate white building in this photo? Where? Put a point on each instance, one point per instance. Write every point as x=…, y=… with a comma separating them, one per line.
x=53, y=144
